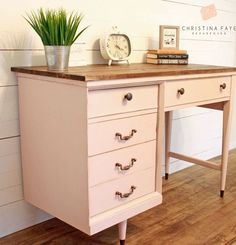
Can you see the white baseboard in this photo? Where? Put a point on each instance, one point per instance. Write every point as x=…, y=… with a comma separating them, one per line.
x=178, y=165
x=20, y=215
x=232, y=145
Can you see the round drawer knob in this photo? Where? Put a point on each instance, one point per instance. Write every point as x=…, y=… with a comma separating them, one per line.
x=128, y=96
x=181, y=91
x=223, y=86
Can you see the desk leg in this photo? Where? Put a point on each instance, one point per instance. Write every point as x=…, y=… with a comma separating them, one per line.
x=168, y=131
x=160, y=136
x=122, y=231
x=225, y=144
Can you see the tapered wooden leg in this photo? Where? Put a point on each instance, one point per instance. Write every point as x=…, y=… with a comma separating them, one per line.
x=122, y=231
x=225, y=144
x=160, y=136
x=168, y=131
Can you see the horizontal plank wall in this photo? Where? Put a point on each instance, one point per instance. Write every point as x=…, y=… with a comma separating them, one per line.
x=19, y=46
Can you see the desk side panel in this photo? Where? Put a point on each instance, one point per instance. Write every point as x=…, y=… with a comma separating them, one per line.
x=53, y=126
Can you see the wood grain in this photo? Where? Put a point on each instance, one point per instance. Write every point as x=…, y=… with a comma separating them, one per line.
x=192, y=213
x=105, y=72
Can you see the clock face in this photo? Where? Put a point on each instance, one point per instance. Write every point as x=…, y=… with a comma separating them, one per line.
x=118, y=46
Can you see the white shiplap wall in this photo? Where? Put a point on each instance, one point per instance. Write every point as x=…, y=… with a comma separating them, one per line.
x=19, y=46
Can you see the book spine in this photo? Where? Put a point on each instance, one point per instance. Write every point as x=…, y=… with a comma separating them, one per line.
x=167, y=61
x=167, y=56
x=152, y=61
x=167, y=51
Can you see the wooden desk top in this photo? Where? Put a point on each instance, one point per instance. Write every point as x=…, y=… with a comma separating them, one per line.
x=105, y=72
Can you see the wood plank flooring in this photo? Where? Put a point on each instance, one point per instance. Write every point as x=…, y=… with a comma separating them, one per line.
x=192, y=214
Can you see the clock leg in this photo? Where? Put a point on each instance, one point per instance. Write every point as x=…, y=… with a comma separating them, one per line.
x=109, y=62
x=122, y=231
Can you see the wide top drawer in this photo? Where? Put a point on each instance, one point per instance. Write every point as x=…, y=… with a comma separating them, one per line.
x=113, y=101
x=196, y=90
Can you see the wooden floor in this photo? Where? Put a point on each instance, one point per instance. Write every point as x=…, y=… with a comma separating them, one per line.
x=192, y=213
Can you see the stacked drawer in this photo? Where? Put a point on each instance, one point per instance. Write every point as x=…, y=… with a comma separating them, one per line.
x=196, y=90
x=121, y=145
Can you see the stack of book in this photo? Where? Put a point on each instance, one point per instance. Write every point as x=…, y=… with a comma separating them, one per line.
x=167, y=56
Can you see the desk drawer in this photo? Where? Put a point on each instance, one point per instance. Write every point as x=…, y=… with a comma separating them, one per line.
x=104, y=197
x=196, y=90
x=113, y=101
x=103, y=168
x=103, y=136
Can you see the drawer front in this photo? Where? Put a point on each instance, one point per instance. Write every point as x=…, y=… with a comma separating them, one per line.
x=104, y=197
x=196, y=90
x=120, y=133
x=120, y=163
x=113, y=101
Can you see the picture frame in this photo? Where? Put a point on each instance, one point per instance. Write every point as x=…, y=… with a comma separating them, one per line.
x=169, y=37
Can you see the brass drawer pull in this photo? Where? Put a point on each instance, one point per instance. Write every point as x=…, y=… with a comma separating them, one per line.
x=223, y=86
x=126, y=137
x=127, y=167
x=126, y=194
x=181, y=91
x=128, y=96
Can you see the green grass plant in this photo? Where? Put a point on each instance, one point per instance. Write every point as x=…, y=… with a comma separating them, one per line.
x=55, y=27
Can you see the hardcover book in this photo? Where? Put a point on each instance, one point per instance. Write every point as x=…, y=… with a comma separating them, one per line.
x=167, y=56
x=167, y=51
x=167, y=61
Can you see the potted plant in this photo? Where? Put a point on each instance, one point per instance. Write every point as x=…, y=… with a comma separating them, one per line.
x=58, y=31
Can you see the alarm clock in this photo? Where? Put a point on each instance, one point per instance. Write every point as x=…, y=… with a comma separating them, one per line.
x=115, y=46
